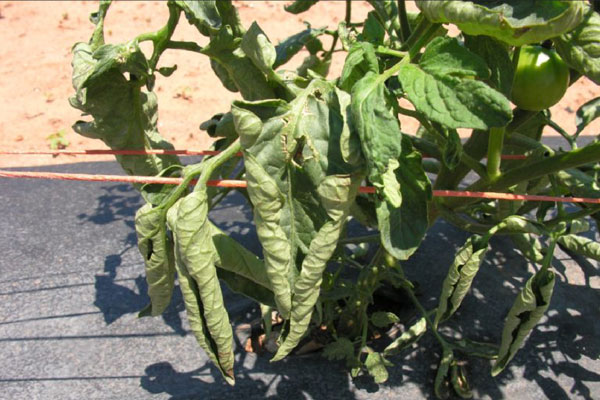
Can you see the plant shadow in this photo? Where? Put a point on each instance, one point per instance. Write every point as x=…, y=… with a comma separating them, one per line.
x=558, y=360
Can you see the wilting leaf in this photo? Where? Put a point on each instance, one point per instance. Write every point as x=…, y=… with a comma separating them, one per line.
x=514, y=22
x=459, y=381
x=157, y=250
x=196, y=257
x=460, y=276
x=439, y=384
x=337, y=194
x=408, y=337
x=528, y=309
x=581, y=245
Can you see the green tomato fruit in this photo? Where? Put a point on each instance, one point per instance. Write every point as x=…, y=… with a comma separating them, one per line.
x=541, y=79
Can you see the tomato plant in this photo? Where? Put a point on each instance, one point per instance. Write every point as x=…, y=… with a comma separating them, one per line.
x=309, y=140
x=541, y=79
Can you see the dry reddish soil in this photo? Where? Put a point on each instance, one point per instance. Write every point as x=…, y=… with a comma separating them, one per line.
x=35, y=66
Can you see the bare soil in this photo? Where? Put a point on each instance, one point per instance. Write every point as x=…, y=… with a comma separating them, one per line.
x=35, y=57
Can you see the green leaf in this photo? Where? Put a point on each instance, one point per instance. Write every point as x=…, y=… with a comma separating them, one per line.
x=441, y=88
x=289, y=47
x=498, y=59
x=460, y=277
x=390, y=187
x=515, y=22
x=528, y=309
x=196, y=257
x=402, y=229
x=257, y=46
x=376, y=366
x=377, y=126
x=220, y=125
x=225, y=49
x=242, y=270
x=223, y=74
x=373, y=32
x=402, y=217
x=581, y=245
x=516, y=223
x=382, y=319
x=439, y=384
x=299, y=6
x=296, y=151
x=529, y=246
x=586, y=114
x=126, y=57
x=337, y=193
x=579, y=226
x=454, y=102
x=360, y=60
x=157, y=250
x=388, y=14
x=247, y=125
x=123, y=116
x=156, y=193
x=446, y=56
x=341, y=349
x=204, y=14
x=580, y=48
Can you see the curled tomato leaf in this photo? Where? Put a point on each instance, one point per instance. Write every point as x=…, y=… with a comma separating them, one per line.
x=527, y=310
x=157, y=250
x=195, y=259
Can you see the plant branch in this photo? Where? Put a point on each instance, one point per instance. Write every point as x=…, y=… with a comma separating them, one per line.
x=180, y=45
x=549, y=165
x=213, y=163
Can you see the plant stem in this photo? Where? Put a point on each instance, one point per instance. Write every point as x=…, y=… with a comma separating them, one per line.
x=549, y=165
x=547, y=262
x=495, y=145
x=562, y=133
x=408, y=287
x=390, y=52
x=163, y=36
x=413, y=51
x=189, y=46
x=403, y=17
x=213, y=163
x=348, y=18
